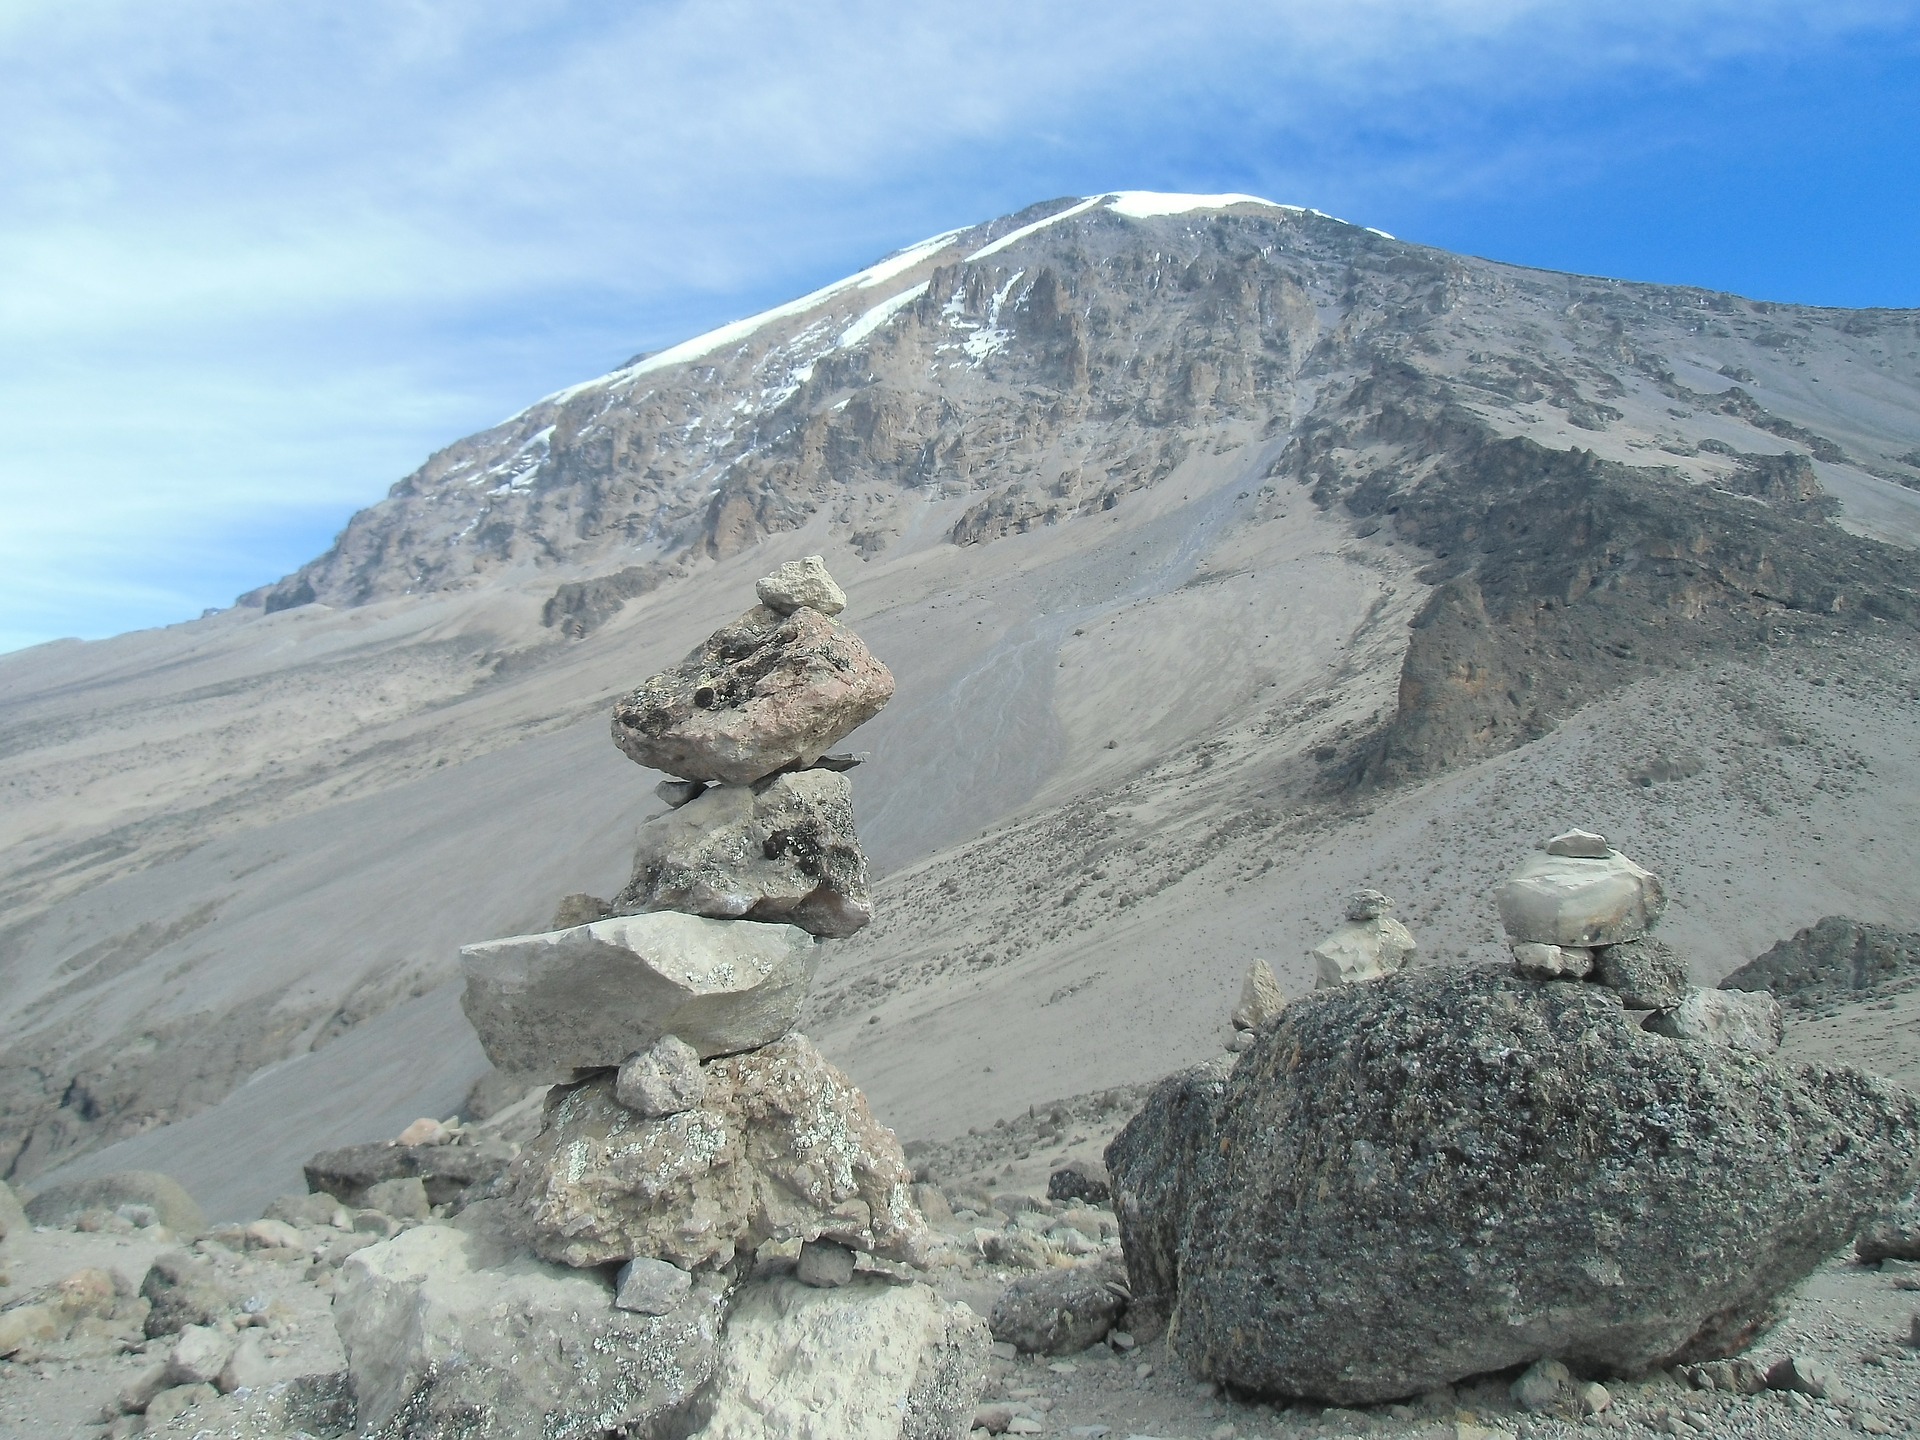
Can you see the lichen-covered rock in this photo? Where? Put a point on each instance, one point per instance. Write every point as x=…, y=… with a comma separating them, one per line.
x=663, y=1079
x=593, y=995
x=1581, y=901
x=1059, y=1311
x=1452, y=1172
x=782, y=1147
x=871, y=1360
x=781, y=850
x=1723, y=1017
x=764, y=693
x=453, y=1333
x=1360, y=950
x=1647, y=974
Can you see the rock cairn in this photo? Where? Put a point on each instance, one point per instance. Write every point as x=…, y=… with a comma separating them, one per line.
x=692, y=1125
x=1582, y=1165
x=1580, y=910
x=1369, y=943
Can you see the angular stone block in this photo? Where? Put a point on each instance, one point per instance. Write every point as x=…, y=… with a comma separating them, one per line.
x=1569, y=900
x=593, y=995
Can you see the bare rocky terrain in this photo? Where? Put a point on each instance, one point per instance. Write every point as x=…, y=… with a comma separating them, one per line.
x=1228, y=557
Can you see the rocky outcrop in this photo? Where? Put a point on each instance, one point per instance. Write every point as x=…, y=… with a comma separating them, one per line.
x=445, y=1171
x=595, y=994
x=1478, y=1170
x=64, y=1203
x=1835, y=959
x=782, y=850
x=782, y=1146
x=767, y=692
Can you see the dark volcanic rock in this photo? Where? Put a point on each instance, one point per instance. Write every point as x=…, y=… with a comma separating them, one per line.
x=446, y=1170
x=1829, y=961
x=781, y=850
x=762, y=694
x=1446, y=1173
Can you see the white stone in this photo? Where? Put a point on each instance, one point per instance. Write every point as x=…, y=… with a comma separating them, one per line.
x=1553, y=962
x=1580, y=845
x=1360, y=950
x=801, y=582
x=1566, y=900
x=593, y=995
x=1745, y=1020
x=198, y=1356
x=1260, y=998
x=872, y=1360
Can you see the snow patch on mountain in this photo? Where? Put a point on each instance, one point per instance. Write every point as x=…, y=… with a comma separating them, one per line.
x=879, y=315
x=1014, y=236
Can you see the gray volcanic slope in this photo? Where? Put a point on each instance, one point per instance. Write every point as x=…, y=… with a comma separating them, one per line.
x=1227, y=556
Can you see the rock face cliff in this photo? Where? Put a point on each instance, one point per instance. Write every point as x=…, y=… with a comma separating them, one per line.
x=1203, y=529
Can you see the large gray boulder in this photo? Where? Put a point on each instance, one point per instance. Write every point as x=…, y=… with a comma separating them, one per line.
x=801, y=582
x=782, y=850
x=1450, y=1172
x=1724, y=1017
x=453, y=1331
x=593, y=995
x=782, y=1146
x=871, y=1360
x=1580, y=900
x=765, y=693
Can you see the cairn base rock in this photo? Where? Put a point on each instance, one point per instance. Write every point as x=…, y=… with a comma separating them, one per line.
x=452, y=1333
x=871, y=1360
x=782, y=1147
x=783, y=851
x=1447, y=1173
x=1360, y=950
x=765, y=693
x=596, y=994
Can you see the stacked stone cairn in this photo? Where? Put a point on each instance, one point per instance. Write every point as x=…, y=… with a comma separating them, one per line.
x=1580, y=910
x=1369, y=943
x=692, y=1127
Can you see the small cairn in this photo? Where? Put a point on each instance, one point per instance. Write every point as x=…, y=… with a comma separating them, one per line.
x=1369, y=943
x=1579, y=910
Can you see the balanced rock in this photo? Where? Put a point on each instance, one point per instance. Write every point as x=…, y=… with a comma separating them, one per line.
x=871, y=1360
x=452, y=1331
x=1476, y=1172
x=1260, y=998
x=1552, y=962
x=765, y=693
x=663, y=1079
x=1647, y=974
x=1723, y=1017
x=804, y=582
x=1367, y=904
x=1360, y=950
x=1578, y=900
x=782, y=1147
x=595, y=994
x=781, y=850
x=1579, y=845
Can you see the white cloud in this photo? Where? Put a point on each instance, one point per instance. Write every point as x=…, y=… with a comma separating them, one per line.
x=258, y=255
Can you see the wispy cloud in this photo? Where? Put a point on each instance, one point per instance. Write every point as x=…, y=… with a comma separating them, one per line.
x=256, y=260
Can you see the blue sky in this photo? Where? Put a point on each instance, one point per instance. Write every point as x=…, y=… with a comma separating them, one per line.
x=258, y=259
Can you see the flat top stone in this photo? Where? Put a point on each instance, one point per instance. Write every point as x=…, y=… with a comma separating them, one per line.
x=1579, y=844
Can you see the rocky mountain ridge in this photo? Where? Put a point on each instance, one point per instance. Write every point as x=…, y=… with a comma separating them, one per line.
x=1228, y=550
